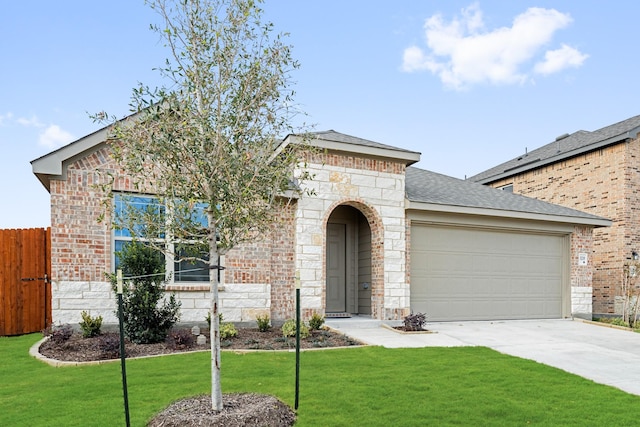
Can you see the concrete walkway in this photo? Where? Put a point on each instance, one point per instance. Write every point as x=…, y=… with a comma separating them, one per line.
x=605, y=355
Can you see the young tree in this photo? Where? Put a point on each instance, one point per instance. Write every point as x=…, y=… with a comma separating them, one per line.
x=212, y=137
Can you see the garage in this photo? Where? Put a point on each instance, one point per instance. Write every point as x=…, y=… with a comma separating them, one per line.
x=475, y=273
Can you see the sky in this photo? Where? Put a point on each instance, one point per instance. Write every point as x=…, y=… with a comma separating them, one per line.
x=469, y=84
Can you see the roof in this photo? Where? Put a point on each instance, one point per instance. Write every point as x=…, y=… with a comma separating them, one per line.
x=428, y=190
x=564, y=147
x=52, y=165
x=336, y=141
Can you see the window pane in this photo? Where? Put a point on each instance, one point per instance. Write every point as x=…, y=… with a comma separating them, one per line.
x=125, y=205
x=191, y=271
x=199, y=215
x=117, y=247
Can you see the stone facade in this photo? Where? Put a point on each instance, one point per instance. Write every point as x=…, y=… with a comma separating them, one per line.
x=603, y=182
x=376, y=189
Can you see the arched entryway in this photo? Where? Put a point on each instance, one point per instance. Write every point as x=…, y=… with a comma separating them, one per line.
x=348, y=267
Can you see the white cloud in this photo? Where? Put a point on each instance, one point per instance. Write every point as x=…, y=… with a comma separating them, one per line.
x=54, y=137
x=5, y=118
x=462, y=52
x=31, y=122
x=557, y=60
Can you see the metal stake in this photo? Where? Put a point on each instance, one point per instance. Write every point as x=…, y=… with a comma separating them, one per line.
x=297, y=339
x=122, y=351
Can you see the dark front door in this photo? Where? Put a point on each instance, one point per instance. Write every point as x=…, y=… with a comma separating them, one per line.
x=336, y=268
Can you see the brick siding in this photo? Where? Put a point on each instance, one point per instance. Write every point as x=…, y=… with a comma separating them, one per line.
x=604, y=182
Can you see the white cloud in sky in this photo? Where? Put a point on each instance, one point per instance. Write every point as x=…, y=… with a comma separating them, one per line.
x=557, y=60
x=54, y=137
x=462, y=52
x=5, y=118
x=30, y=122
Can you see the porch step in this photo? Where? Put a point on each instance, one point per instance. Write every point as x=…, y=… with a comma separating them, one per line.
x=337, y=315
x=352, y=322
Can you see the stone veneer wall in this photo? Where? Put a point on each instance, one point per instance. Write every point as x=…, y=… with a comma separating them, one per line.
x=604, y=182
x=376, y=188
x=81, y=254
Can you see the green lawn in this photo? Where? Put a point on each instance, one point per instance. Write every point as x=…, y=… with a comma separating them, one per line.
x=351, y=387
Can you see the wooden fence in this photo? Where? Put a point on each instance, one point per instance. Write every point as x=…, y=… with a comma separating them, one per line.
x=25, y=288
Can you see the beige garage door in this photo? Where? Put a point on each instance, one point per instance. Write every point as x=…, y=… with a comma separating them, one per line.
x=476, y=274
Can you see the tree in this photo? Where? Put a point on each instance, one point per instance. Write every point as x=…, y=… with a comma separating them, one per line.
x=211, y=138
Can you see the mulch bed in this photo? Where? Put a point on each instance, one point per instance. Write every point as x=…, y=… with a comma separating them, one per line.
x=240, y=409
x=106, y=346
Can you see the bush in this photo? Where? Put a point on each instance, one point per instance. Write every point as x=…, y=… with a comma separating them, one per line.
x=264, y=323
x=180, y=339
x=228, y=330
x=108, y=345
x=90, y=325
x=289, y=329
x=59, y=334
x=316, y=322
x=146, y=320
x=415, y=322
x=617, y=321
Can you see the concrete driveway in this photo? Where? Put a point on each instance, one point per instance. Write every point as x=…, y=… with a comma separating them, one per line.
x=605, y=355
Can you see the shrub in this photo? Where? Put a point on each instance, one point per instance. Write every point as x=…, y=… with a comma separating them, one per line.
x=90, y=325
x=228, y=330
x=59, y=334
x=180, y=339
x=108, y=345
x=146, y=320
x=415, y=322
x=617, y=321
x=264, y=323
x=289, y=329
x=316, y=322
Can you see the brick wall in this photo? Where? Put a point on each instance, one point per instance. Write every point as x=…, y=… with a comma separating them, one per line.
x=603, y=182
x=81, y=254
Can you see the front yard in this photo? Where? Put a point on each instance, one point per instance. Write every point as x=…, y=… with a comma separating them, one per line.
x=369, y=386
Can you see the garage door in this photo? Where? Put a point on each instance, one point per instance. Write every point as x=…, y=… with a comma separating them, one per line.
x=475, y=274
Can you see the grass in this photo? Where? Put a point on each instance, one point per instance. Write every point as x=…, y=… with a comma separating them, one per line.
x=352, y=387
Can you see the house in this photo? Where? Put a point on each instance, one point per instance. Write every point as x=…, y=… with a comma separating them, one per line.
x=379, y=238
x=595, y=172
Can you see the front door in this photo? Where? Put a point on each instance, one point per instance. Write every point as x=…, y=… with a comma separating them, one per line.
x=336, y=268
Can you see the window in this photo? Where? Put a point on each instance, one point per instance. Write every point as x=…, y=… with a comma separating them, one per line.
x=180, y=270
x=508, y=188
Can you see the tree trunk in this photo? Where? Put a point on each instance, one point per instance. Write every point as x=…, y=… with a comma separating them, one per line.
x=214, y=330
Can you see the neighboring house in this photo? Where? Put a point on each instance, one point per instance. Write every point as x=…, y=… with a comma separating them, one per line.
x=378, y=238
x=595, y=172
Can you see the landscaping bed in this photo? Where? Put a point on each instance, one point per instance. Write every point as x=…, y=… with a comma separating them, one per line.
x=106, y=345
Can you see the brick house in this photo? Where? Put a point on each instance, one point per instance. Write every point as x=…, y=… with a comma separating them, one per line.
x=595, y=172
x=379, y=238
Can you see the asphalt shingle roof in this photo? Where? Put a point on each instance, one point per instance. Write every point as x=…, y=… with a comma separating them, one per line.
x=332, y=135
x=574, y=144
x=424, y=186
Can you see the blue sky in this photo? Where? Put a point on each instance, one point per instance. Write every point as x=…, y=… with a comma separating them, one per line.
x=468, y=84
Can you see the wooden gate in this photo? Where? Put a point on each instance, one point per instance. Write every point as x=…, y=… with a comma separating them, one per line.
x=25, y=288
